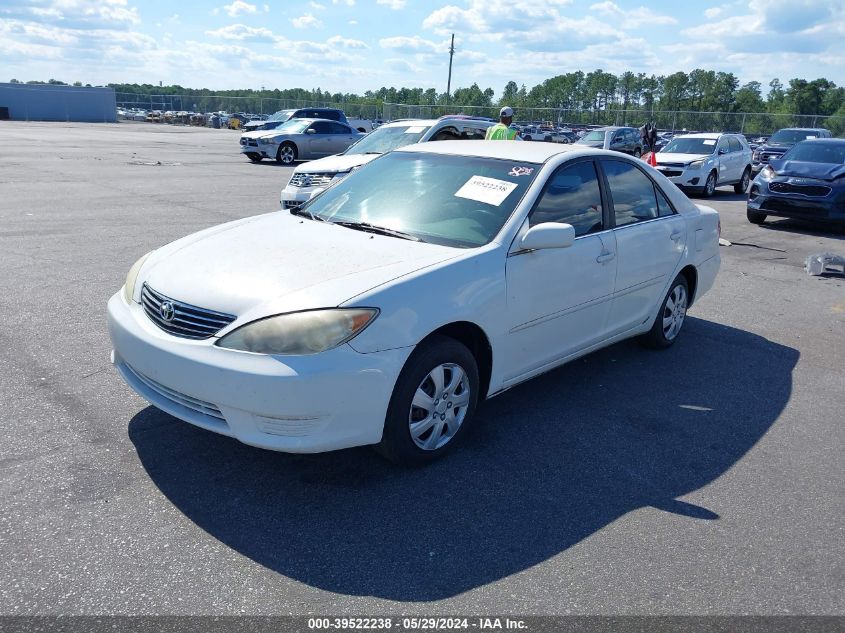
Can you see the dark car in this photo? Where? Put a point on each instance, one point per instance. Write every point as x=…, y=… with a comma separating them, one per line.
x=276, y=119
x=621, y=139
x=780, y=142
x=808, y=183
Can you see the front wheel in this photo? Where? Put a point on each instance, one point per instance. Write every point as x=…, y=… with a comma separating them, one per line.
x=755, y=217
x=742, y=185
x=671, y=317
x=432, y=404
x=286, y=154
x=638, y=153
x=710, y=185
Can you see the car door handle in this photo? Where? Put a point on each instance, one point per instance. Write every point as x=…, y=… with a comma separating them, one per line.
x=605, y=257
x=675, y=236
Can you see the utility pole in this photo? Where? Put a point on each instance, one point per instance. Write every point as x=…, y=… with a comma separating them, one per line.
x=449, y=82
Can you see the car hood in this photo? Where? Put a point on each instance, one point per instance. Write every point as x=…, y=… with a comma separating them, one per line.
x=278, y=263
x=663, y=157
x=335, y=164
x=802, y=169
x=598, y=144
x=260, y=133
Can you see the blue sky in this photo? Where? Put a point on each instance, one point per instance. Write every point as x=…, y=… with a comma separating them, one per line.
x=356, y=45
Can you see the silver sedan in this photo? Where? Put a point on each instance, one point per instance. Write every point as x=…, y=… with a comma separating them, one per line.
x=300, y=139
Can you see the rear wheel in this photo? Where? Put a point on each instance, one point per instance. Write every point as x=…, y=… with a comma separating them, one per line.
x=671, y=317
x=755, y=217
x=742, y=185
x=432, y=404
x=286, y=154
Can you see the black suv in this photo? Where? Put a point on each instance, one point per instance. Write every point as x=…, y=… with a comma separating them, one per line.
x=781, y=141
x=282, y=116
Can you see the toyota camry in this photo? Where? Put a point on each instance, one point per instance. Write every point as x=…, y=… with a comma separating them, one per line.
x=385, y=309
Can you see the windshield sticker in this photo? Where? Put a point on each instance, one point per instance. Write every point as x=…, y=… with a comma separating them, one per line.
x=709, y=141
x=521, y=171
x=486, y=190
x=415, y=130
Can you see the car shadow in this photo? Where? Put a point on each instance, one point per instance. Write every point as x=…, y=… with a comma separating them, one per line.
x=549, y=463
x=804, y=227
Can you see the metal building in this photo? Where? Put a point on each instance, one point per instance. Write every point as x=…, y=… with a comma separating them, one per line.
x=48, y=102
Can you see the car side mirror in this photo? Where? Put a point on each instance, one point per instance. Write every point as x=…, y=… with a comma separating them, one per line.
x=310, y=130
x=723, y=151
x=548, y=235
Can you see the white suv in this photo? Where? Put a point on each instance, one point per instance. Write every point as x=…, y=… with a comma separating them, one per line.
x=702, y=162
x=311, y=178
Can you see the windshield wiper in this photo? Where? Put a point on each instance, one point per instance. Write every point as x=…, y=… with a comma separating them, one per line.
x=305, y=213
x=380, y=230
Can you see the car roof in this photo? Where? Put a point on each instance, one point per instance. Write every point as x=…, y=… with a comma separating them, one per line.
x=824, y=141
x=410, y=122
x=522, y=151
x=805, y=129
x=711, y=135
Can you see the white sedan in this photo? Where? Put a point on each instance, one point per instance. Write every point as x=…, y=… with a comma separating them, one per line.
x=386, y=308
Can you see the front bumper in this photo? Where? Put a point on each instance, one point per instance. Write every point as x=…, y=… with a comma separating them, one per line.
x=685, y=177
x=821, y=209
x=296, y=404
x=266, y=151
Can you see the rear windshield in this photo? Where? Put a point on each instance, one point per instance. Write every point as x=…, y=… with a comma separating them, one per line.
x=690, y=146
x=385, y=139
x=833, y=153
x=281, y=115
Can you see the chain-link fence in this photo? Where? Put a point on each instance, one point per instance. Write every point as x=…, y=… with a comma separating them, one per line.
x=225, y=103
x=752, y=123
x=746, y=123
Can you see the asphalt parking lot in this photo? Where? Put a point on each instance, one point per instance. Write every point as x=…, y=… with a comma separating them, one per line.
x=706, y=479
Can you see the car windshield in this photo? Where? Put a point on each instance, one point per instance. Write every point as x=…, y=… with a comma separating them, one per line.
x=594, y=136
x=281, y=115
x=385, y=139
x=692, y=145
x=457, y=201
x=833, y=153
x=294, y=126
x=792, y=136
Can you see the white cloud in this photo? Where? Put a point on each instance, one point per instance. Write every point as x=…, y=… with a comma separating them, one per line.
x=317, y=6
x=396, y=5
x=413, y=44
x=239, y=6
x=241, y=32
x=633, y=18
x=307, y=21
x=344, y=42
x=349, y=3
x=713, y=12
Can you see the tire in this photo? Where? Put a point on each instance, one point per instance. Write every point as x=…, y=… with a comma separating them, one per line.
x=638, y=153
x=255, y=158
x=742, y=185
x=709, y=185
x=667, y=325
x=416, y=426
x=755, y=217
x=287, y=153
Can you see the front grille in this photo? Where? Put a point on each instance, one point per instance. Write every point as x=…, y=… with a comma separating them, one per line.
x=291, y=204
x=669, y=173
x=811, y=191
x=765, y=157
x=187, y=321
x=670, y=165
x=310, y=180
x=195, y=404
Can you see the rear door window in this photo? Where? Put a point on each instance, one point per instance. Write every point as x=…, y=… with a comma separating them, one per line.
x=631, y=191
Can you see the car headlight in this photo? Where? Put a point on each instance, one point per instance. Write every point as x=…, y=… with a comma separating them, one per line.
x=755, y=155
x=132, y=277
x=266, y=141
x=300, y=333
x=767, y=173
x=697, y=164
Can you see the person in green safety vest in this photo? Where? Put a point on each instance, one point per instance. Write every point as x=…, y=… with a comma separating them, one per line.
x=502, y=131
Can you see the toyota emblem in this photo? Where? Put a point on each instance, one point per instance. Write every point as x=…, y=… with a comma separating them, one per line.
x=167, y=311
